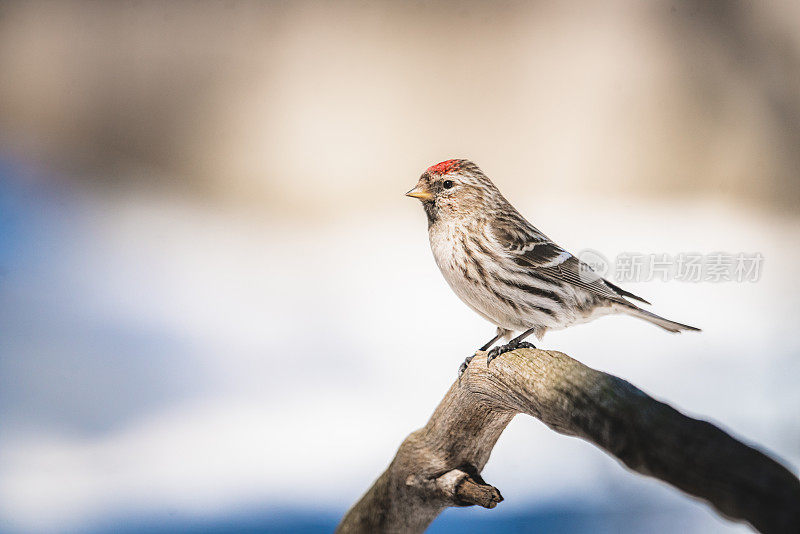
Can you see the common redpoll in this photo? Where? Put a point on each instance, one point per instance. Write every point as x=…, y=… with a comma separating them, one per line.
x=505, y=269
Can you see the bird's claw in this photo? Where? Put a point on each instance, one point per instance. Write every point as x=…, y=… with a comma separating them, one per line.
x=464, y=365
x=508, y=347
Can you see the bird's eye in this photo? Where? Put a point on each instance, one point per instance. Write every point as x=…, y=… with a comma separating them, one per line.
x=447, y=184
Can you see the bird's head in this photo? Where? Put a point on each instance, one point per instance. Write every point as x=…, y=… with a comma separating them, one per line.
x=455, y=188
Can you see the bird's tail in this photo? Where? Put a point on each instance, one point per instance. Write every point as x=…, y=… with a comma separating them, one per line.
x=657, y=320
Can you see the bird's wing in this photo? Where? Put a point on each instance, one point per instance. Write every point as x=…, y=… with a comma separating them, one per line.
x=530, y=248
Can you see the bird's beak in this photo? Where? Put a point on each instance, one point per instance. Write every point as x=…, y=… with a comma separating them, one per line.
x=420, y=192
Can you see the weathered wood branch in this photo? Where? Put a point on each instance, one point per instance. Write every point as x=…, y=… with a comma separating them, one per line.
x=439, y=465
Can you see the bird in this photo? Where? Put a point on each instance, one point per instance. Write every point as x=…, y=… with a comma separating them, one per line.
x=505, y=269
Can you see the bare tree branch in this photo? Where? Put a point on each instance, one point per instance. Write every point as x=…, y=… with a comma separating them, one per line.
x=439, y=465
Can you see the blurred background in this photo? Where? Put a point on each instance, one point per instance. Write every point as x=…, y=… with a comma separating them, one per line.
x=219, y=313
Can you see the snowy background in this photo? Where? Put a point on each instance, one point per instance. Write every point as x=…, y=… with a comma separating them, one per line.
x=219, y=313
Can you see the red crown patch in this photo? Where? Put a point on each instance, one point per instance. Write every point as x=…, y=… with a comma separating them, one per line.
x=443, y=167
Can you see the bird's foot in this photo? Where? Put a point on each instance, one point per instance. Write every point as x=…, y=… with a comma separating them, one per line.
x=463, y=366
x=508, y=347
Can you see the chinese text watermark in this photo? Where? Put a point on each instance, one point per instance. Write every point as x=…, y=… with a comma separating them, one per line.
x=685, y=267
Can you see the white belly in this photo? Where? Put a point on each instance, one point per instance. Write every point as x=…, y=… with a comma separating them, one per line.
x=466, y=281
x=512, y=309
